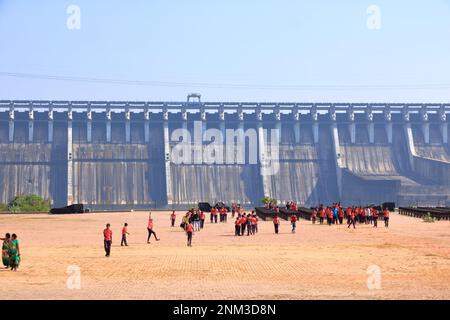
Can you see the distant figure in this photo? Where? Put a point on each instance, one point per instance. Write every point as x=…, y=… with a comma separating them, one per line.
x=237, y=226
x=293, y=222
x=352, y=219
x=313, y=215
x=150, y=228
x=386, y=217
x=107, y=234
x=5, y=249
x=189, y=232
x=123, y=242
x=276, y=223
x=375, y=215
x=173, y=216
x=202, y=219
x=14, y=253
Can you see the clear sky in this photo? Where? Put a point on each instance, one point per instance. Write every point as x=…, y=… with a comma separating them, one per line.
x=229, y=50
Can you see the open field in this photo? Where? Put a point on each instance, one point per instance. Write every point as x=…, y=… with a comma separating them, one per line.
x=318, y=262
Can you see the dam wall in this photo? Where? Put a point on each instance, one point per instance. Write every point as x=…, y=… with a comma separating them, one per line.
x=123, y=155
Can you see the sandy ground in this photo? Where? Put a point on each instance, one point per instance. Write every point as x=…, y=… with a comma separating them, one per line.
x=318, y=262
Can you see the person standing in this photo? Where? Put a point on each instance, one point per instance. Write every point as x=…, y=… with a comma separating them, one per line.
x=249, y=224
x=375, y=215
x=293, y=222
x=352, y=219
x=14, y=253
x=243, y=223
x=202, y=219
x=173, y=217
x=237, y=226
x=386, y=217
x=313, y=215
x=5, y=249
x=150, y=228
x=321, y=215
x=341, y=215
x=107, y=239
x=276, y=223
x=123, y=242
x=189, y=233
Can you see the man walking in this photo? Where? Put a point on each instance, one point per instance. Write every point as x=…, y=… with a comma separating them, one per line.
x=107, y=241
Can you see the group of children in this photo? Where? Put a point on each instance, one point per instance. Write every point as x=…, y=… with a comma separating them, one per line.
x=335, y=214
x=10, y=251
x=108, y=235
x=194, y=220
x=246, y=221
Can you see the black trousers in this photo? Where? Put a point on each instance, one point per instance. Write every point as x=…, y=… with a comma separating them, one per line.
x=237, y=230
x=107, y=247
x=202, y=223
x=173, y=222
x=124, y=240
x=352, y=222
x=276, y=228
x=341, y=220
x=386, y=222
x=321, y=220
x=189, y=238
x=242, y=229
x=150, y=232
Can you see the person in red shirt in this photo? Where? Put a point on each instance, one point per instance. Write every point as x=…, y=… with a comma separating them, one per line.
x=329, y=216
x=293, y=222
x=276, y=223
x=189, y=232
x=386, y=217
x=237, y=226
x=254, y=222
x=150, y=228
x=321, y=215
x=352, y=219
x=341, y=215
x=107, y=241
x=202, y=219
x=243, y=223
x=375, y=215
x=124, y=235
x=349, y=213
x=173, y=217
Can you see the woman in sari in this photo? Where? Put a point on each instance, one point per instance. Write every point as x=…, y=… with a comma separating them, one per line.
x=14, y=253
x=5, y=249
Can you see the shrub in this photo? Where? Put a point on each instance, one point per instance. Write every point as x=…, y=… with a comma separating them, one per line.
x=428, y=218
x=29, y=203
x=3, y=207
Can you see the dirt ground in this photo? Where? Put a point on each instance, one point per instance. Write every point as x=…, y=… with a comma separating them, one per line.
x=318, y=262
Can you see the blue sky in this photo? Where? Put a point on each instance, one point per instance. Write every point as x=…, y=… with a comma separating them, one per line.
x=254, y=50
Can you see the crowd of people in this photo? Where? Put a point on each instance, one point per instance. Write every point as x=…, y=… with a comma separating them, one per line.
x=244, y=224
x=10, y=251
x=335, y=214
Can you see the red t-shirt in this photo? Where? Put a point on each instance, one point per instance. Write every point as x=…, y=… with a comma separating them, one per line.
x=150, y=224
x=276, y=220
x=189, y=227
x=124, y=230
x=293, y=218
x=237, y=222
x=108, y=234
x=386, y=213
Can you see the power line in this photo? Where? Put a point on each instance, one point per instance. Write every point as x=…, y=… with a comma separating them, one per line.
x=33, y=76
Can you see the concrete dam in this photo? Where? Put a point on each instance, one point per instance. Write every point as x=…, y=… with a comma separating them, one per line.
x=120, y=155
